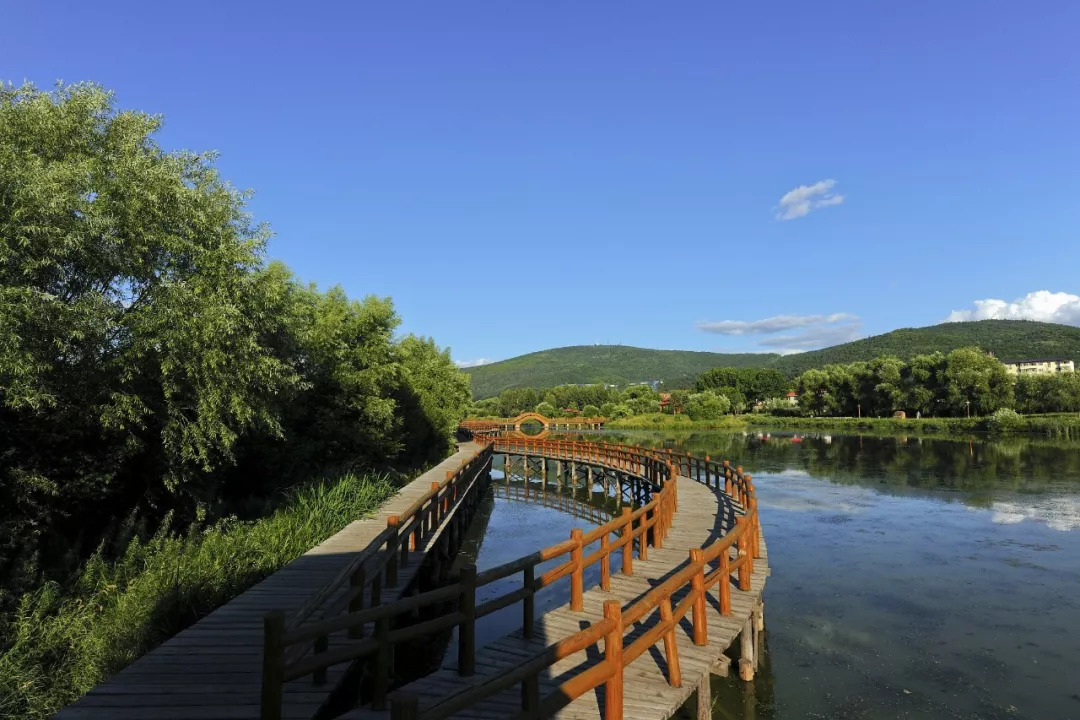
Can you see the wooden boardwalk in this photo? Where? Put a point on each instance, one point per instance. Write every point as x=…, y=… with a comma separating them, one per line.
x=212, y=670
x=705, y=515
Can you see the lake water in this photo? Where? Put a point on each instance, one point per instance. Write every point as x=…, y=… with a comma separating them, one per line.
x=910, y=578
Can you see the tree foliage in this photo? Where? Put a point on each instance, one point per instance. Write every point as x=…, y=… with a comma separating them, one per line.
x=933, y=384
x=150, y=359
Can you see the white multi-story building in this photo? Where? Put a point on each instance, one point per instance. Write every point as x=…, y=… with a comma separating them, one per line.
x=1039, y=366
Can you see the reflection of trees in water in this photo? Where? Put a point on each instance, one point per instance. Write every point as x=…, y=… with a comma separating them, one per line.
x=978, y=467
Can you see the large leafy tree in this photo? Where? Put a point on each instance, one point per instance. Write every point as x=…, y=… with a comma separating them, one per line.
x=130, y=315
x=973, y=376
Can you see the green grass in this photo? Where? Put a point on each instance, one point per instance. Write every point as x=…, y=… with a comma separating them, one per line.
x=618, y=364
x=63, y=640
x=675, y=422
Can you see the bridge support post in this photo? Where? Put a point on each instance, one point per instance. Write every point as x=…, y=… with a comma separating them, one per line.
x=746, y=651
x=704, y=697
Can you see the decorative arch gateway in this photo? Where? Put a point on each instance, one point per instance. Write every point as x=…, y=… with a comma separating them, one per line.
x=531, y=416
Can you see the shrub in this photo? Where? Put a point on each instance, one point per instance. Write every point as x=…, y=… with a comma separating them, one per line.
x=707, y=406
x=1005, y=420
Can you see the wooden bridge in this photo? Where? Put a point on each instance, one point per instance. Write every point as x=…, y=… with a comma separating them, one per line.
x=514, y=424
x=640, y=642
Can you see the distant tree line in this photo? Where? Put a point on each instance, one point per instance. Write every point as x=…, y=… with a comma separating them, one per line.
x=966, y=380
x=152, y=361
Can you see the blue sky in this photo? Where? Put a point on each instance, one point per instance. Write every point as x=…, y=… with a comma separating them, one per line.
x=520, y=176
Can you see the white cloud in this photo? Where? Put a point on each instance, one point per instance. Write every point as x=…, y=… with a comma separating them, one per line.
x=800, y=201
x=473, y=363
x=1059, y=307
x=772, y=324
x=815, y=331
x=1056, y=512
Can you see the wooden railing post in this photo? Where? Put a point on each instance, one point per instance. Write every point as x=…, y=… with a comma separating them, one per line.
x=392, y=552
x=577, y=577
x=467, y=628
x=384, y=659
x=671, y=648
x=707, y=484
x=744, y=552
x=613, y=655
x=436, y=508
x=530, y=692
x=627, y=534
x=697, y=587
x=725, y=582
x=356, y=603
x=273, y=670
x=605, y=563
x=528, y=603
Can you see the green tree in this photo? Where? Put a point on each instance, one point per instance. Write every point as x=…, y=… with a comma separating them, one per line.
x=707, y=405
x=131, y=315
x=432, y=396
x=678, y=400
x=546, y=409
x=643, y=405
x=514, y=401
x=973, y=376
x=923, y=384
x=590, y=411
x=720, y=377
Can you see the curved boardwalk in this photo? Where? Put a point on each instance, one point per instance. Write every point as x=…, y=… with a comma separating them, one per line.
x=213, y=669
x=704, y=516
x=635, y=646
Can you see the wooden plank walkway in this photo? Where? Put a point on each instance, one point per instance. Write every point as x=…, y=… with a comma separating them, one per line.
x=212, y=670
x=704, y=516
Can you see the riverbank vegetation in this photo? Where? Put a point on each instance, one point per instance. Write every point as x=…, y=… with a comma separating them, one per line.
x=64, y=639
x=965, y=391
x=159, y=377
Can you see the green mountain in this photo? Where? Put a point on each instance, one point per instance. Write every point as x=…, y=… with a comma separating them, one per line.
x=620, y=364
x=615, y=364
x=1007, y=339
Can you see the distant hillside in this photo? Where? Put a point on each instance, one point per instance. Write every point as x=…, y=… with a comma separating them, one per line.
x=1007, y=339
x=620, y=364
x=616, y=364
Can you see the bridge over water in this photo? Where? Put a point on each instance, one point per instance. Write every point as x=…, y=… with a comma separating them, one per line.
x=335, y=628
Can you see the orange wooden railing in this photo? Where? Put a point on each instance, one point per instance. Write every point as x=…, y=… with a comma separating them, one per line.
x=706, y=568
x=288, y=641
x=303, y=649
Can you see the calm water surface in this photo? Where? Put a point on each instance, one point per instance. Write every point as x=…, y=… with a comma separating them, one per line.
x=911, y=578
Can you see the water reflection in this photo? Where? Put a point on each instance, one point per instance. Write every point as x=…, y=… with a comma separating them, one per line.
x=921, y=578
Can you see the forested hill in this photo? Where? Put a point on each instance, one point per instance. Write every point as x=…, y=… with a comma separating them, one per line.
x=615, y=364
x=620, y=364
x=1007, y=339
